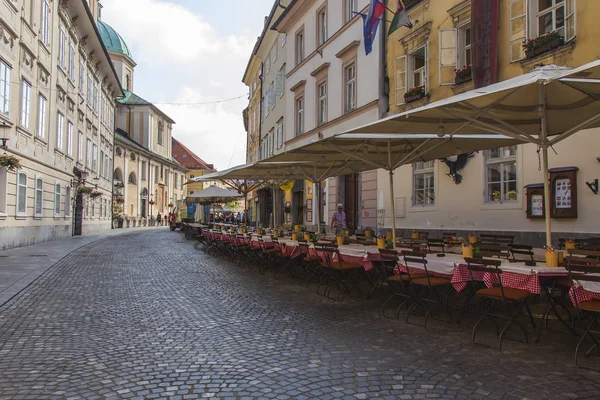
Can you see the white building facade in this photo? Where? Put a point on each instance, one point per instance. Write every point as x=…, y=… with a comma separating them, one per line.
x=332, y=86
x=57, y=90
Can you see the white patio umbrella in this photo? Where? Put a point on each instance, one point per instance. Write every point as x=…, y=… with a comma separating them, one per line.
x=542, y=107
x=213, y=194
x=389, y=151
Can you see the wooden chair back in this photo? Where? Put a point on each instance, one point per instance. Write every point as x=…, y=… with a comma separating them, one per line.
x=433, y=244
x=523, y=252
x=486, y=265
x=494, y=250
x=415, y=259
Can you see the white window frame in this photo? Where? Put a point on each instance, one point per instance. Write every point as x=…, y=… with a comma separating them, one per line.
x=503, y=159
x=103, y=108
x=349, y=10
x=42, y=103
x=88, y=153
x=400, y=79
x=21, y=196
x=5, y=72
x=95, y=97
x=81, y=77
x=322, y=25
x=90, y=85
x=3, y=191
x=350, y=88
x=299, y=43
x=279, y=131
x=462, y=45
x=72, y=55
x=38, y=195
x=299, y=115
x=268, y=63
x=426, y=169
x=280, y=81
x=274, y=53
x=272, y=95
x=322, y=102
x=25, y=104
x=68, y=201
x=94, y=157
x=101, y=164
x=60, y=128
x=70, y=138
x=422, y=71
x=45, y=22
x=550, y=10
x=57, y=194
x=448, y=49
x=62, y=47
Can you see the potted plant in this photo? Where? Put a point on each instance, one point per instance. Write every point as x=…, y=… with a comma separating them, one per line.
x=84, y=190
x=95, y=193
x=415, y=93
x=119, y=200
x=152, y=202
x=11, y=163
x=171, y=205
x=463, y=75
x=542, y=44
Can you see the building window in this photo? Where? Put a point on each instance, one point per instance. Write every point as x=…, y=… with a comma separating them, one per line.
x=417, y=69
x=322, y=26
x=144, y=173
x=322, y=103
x=68, y=201
x=156, y=174
x=4, y=88
x=349, y=10
x=464, y=45
x=80, y=147
x=132, y=179
x=274, y=53
x=299, y=116
x=60, y=128
x=282, y=39
x=25, y=104
x=400, y=79
x=45, y=22
x=161, y=128
x=88, y=154
x=118, y=152
x=103, y=109
x=268, y=63
x=550, y=16
x=300, y=46
x=95, y=97
x=21, y=193
x=81, y=77
x=57, y=200
x=350, y=87
x=42, y=117
x=62, y=47
x=132, y=157
x=90, y=86
x=101, y=165
x=72, y=60
x=39, y=197
x=3, y=190
x=423, y=183
x=69, y=138
x=95, y=158
x=279, y=133
x=501, y=175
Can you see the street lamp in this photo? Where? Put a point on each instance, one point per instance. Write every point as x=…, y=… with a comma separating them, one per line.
x=151, y=202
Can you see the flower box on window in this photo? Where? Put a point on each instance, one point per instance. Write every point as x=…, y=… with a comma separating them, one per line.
x=463, y=75
x=542, y=44
x=11, y=163
x=415, y=93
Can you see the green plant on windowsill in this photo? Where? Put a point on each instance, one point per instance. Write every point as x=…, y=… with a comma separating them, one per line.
x=84, y=190
x=11, y=163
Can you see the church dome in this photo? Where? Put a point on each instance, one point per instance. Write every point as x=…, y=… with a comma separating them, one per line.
x=113, y=41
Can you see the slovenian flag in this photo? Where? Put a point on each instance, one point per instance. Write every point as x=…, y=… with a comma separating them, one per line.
x=400, y=19
x=371, y=20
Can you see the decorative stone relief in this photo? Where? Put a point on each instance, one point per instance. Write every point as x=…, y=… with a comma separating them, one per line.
x=62, y=95
x=71, y=104
x=88, y=124
x=80, y=116
x=44, y=75
x=28, y=59
x=7, y=37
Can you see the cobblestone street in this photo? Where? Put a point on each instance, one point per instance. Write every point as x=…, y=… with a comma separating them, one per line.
x=145, y=315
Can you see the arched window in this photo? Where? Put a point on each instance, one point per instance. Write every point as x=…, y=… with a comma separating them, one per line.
x=127, y=82
x=132, y=179
x=118, y=152
x=132, y=156
x=118, y=175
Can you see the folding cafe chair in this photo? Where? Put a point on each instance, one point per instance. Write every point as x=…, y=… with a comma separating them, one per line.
x=428, y=292
x=507, y=297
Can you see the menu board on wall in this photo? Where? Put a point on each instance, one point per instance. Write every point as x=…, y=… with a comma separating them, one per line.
x=563, y=193
x=537, y=205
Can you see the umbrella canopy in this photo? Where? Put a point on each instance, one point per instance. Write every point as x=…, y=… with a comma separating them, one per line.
x=514, y=107
x=214, y=194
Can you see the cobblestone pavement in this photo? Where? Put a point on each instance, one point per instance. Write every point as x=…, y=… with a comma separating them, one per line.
x=145, y=315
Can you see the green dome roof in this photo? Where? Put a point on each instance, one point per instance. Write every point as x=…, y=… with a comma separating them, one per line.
x=112, y=40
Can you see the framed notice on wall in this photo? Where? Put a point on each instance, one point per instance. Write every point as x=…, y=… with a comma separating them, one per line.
x=563, y=189
x=309, y=216
x=535, y=200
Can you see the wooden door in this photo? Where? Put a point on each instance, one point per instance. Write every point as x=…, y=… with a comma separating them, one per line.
x=351, y=201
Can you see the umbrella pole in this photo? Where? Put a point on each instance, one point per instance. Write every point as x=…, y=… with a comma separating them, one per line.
x=544, y=145
x=244, y=218
x=547, y=196
x=391, y=172
x=274, y=203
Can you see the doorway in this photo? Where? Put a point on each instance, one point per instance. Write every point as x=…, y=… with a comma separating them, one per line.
x=351, y=201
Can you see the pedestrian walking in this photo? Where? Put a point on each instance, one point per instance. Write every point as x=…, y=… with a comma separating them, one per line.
x=158, y=219
x=338, y=221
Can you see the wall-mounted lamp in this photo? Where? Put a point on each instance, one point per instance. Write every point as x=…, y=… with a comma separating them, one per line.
x=593, y=185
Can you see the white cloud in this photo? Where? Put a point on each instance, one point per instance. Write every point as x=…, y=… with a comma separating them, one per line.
x=182, y=59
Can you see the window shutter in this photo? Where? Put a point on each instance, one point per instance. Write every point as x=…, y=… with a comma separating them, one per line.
x=518, y=28
x=272, y=95
x=400, y=79
x=570, y=20
x=279, y=83
x=447, y=56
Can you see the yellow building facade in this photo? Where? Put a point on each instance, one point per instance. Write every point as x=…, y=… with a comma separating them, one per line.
x=492, y=195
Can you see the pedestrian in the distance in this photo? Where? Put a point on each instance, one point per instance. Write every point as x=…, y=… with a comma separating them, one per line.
x=158, y=219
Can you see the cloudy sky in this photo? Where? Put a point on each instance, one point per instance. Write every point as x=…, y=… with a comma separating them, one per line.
x=189, y=52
